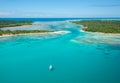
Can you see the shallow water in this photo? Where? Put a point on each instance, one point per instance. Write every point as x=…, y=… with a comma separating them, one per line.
x=77, y=57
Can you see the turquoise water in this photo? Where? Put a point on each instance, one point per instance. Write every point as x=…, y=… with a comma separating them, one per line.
x=77, y=57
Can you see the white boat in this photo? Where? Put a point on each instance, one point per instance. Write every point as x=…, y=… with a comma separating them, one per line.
x=51, y=67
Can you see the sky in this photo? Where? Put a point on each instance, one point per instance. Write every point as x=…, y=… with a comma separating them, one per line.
x=59, y=8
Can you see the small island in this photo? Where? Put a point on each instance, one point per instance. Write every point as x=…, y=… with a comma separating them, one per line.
x=9, y=23
x=9, y=32
x=104, y=26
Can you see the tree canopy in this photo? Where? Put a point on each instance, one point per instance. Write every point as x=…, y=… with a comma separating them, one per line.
x=105, y=26
x=10, y=23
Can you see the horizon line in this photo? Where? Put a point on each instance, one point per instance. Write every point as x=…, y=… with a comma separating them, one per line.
x=59, y=17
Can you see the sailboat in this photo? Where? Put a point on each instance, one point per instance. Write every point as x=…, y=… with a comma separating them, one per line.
x=51, y=67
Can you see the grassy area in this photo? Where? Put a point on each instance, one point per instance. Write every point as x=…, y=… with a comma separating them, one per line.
x=105, y=26
x=8, y=32
x=9, y=23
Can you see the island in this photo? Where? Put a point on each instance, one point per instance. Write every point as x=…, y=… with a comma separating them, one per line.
x=9, y=32
x=104, y=26
x=10, y=23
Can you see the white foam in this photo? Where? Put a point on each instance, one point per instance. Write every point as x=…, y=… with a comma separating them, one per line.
x=61, y=32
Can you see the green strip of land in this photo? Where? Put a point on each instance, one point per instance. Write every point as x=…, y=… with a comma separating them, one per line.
x=10, y=23
x=8, y=32
x=104, y=26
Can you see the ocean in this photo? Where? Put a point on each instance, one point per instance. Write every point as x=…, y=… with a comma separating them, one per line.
x=76, y=56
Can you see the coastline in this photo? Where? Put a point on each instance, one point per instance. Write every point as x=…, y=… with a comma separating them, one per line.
x=4, y=28
x=23, y=34
x=84, y=27
x=81, y=30
x=114, y=34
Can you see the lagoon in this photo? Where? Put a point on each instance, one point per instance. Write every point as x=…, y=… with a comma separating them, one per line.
x=77, y=57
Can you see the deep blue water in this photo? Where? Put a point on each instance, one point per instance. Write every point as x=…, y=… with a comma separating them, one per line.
x=40, y=19
x=77, y=57
x=54, y=19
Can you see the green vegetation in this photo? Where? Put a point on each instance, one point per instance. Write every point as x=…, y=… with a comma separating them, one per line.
x=105, y=26
x=9, y=23
x=8, y=32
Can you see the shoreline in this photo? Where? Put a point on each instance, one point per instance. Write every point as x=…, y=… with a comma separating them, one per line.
x=115, y=34
x=3, y=28
x=24, y=34
x=83, y=27
x=81, y=30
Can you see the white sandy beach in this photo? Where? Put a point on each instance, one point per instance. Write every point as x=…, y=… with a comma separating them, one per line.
x=56, y=32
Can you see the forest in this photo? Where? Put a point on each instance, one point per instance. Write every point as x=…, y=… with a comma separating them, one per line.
x=105, y=26
x=10, y=23
x=9, y=32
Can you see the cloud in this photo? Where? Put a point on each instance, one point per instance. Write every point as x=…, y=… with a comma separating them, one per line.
x=22, y=14
x=18, y=14
x=106, y=5
x=4, y=13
